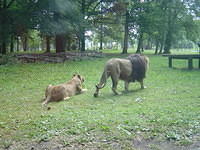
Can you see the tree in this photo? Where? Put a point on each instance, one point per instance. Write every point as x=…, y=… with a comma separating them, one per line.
x=178, y=12
x=5, y=23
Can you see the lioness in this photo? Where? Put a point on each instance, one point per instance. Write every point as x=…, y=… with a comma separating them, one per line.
x=64, y=91
x=129, y=70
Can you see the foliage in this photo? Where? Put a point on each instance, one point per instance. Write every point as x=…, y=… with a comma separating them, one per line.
x=161, y=23
x=7, y=60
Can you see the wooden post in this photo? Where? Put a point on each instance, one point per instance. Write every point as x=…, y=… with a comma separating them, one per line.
x=190, y=65
x=170, y=61
x=199, y=63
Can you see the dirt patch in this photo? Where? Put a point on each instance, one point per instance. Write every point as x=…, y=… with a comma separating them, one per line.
x=155, y=144
x=94, y=142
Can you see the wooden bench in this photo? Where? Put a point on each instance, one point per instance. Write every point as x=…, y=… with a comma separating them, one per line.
x=188, y=57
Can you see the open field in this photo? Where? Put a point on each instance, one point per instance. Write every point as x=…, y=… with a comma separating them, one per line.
x=166, y=115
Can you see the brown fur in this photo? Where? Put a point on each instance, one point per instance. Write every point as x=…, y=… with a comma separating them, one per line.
x=65, y=90
x=129, y=70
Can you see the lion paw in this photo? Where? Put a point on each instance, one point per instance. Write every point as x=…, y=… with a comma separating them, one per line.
x=66, y=98
x=84, y=90
x=143, y=87
x=117, y=93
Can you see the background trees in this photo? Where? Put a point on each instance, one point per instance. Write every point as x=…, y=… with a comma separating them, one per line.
x=65, y=24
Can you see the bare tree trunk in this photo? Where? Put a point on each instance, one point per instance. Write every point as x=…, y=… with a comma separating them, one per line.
x=48, y=38
x=140, y=43
x=3, y=22
x=83, y=40
x=162, y=43
x=12, y=44
x=157, y=46
x=4, y=50
x=79, y=43
x=83, y=27
x=0, y=49
x=25, y=42
x=168, y=42
x=60, y=43
x=125, y=48
x=161, y=48
x=149, y=44
x=17, y=44
x=69, y=42
x=170, y=29
x=101, y=37
x=101, y=29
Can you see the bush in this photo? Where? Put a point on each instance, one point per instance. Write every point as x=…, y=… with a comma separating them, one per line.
x=7, y=59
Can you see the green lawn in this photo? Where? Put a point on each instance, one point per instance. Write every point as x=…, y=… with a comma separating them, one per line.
x=167, y=110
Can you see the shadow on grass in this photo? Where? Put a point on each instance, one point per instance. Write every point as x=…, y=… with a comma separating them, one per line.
x=122, y=93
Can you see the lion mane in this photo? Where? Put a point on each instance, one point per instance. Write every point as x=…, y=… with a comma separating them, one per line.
x=139, y=66
x=131, y=69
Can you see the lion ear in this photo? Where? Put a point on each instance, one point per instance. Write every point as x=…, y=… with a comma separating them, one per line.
x=79, y=76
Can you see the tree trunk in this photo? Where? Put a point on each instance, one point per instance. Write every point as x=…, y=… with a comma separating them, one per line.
x=101, y=29
x=60, y=43
x=69, y=42
x=170, y=29
x=168, y=42
x=12, y=44
x=101, y=37
x=83, y=40
x=125, y=48
x=3, y=22
x=157, y=46
x=140, y=43
x=48, y=38
x=83, y=27
x=0, y=49
x=149, y=44
x=25, y=42
x=17, y=44
x=162, y=42
x=4, y=50
x=161, y=47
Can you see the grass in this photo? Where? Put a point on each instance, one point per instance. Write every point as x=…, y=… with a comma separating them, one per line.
x=167, y=110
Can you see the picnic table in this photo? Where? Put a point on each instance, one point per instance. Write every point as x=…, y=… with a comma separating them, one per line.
x=184, y=56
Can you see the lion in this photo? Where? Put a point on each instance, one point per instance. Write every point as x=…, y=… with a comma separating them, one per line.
x=131, y=69
x=64, y=91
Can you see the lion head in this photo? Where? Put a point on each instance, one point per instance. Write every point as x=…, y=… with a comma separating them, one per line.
x=78, y=77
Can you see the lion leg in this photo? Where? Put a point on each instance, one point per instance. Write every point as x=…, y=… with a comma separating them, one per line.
x=84, y=90
x=96, y=93
x=44, y=103
x=46, y=100
x=114, y=84
x=47, y=95
x=142, y=84
x=66, y=98
x=126, y=85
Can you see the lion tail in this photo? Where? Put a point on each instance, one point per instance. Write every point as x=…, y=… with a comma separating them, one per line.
x=103, y=79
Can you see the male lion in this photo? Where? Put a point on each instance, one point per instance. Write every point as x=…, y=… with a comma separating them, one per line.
x=64, y=91
x=129, y=70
